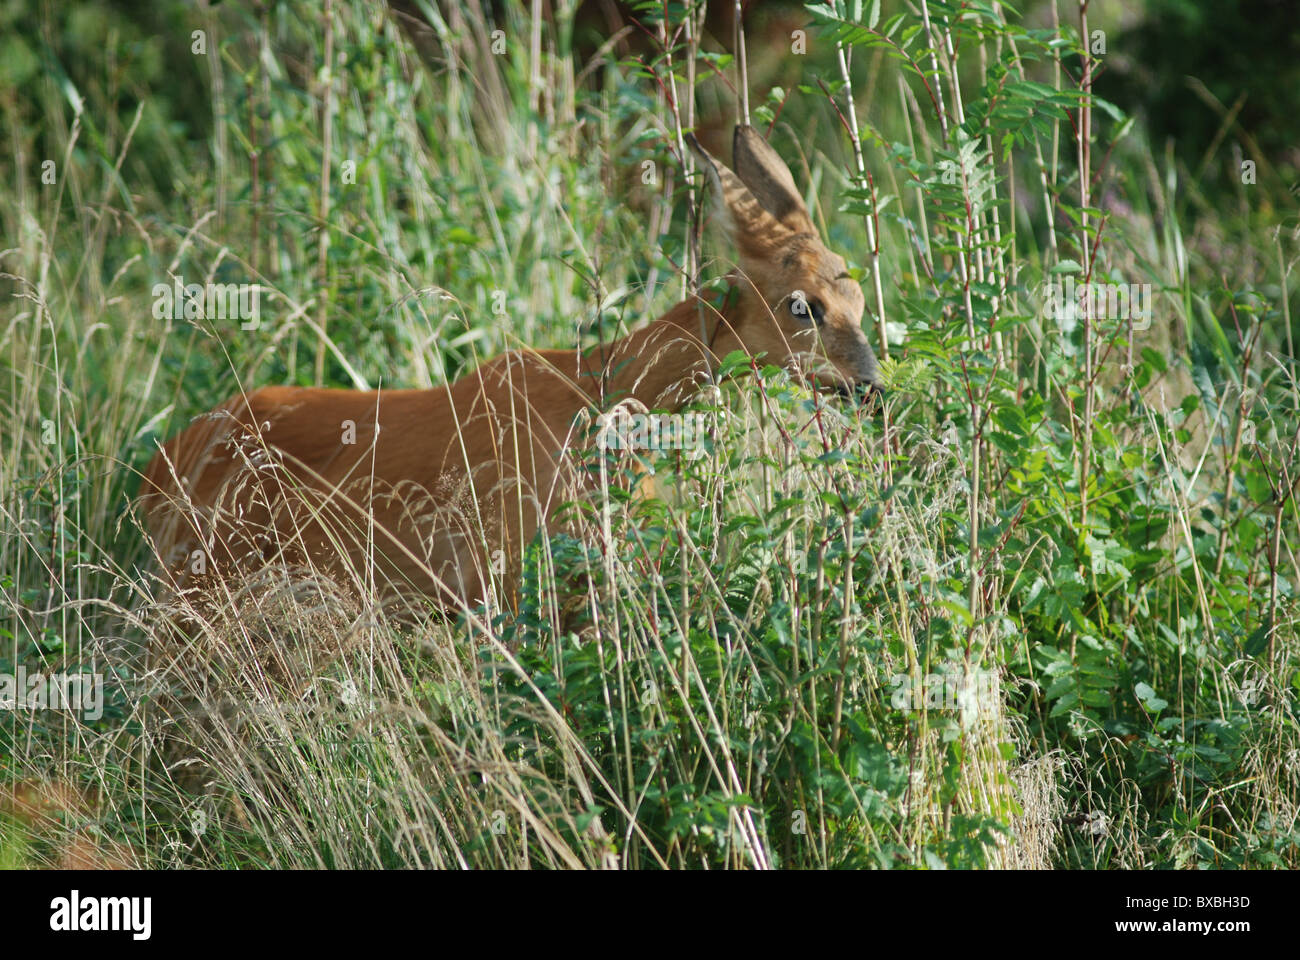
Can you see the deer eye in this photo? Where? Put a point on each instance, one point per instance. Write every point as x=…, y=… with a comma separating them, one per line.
x=805, y=309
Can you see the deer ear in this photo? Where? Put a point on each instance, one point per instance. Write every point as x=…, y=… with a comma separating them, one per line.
x=768, y=178
x=746, y=219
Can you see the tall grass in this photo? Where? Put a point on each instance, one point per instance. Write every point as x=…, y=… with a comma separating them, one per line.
x=1038, y=611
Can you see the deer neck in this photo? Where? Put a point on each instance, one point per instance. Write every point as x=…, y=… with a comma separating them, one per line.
x=664, y=363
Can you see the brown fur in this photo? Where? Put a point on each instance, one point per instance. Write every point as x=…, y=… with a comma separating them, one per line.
x=457, y=473
x=65, y=816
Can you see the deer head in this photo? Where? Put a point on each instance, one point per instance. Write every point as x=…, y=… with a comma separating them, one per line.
x=796, y=302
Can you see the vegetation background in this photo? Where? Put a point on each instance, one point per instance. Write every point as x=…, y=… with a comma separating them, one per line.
x=1038, y=612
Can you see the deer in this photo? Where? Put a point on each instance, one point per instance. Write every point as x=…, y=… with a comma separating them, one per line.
x=427, y=488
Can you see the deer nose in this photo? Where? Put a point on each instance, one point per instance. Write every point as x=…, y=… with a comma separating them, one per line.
x=862, y=392
x=869, y=391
